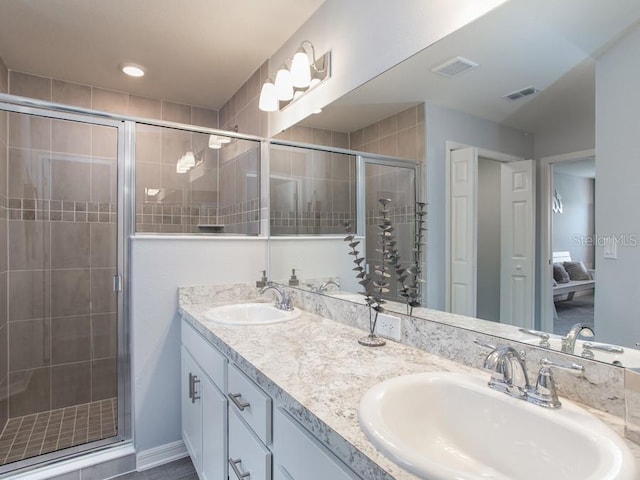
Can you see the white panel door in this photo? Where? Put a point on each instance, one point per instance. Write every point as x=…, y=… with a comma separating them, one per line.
x=517, y=244
x=462, y=247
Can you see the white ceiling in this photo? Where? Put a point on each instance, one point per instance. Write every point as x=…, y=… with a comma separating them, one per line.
x=197, y=52
x=547, y=44
x=585, y=167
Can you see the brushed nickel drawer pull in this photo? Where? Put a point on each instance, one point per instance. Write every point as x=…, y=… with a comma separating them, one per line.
x=235, y=398
x=234, y=466
x=195, y=396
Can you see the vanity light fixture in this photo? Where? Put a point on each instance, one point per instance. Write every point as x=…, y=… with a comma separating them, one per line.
x=291, y=84
x=132, y=70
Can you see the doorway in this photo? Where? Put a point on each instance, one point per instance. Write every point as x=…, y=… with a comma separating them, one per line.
x=490, y=235
x=568, y=238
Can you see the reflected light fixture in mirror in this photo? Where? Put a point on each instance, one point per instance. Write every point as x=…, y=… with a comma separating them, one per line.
x=291, y=84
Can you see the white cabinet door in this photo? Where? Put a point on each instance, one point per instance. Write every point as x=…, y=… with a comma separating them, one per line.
x=297, y=455
x=248, y=457
x=214, y=432
x=191, y=410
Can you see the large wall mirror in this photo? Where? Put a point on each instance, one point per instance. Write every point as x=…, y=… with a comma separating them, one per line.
x=519, y=84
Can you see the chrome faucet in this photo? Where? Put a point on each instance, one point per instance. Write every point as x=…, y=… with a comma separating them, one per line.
x=323, y=288
x=283, y=299
x=569, y=341
x=509, y=372
x=509, y=375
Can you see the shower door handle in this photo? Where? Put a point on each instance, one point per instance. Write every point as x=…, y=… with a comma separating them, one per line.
x=117, y=283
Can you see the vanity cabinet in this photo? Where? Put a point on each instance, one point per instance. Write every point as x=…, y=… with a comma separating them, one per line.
x=231, y=428
x=299, y=456
x=204, y=406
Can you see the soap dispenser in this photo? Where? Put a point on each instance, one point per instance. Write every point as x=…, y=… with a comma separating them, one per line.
x=293, y=281
x=263, y=281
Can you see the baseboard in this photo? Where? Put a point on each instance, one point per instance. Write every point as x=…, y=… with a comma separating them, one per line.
x=160, y=455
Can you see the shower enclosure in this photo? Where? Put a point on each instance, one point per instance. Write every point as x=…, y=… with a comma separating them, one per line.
x=62, y=338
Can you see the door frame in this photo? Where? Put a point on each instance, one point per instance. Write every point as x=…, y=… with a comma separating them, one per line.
x=546, y=260
x=482, y=152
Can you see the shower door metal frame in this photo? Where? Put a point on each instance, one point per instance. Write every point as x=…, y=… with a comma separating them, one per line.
x=124, y=229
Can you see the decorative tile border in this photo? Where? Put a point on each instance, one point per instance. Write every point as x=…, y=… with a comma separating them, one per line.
x=29, y=209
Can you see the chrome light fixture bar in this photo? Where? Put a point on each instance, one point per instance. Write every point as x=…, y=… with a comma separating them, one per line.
x=292, y=83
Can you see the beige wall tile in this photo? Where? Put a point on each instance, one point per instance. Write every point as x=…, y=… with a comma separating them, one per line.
x=109, y=100
x=70, y=178
x=70, y=339
x=388, y=125
x=104, y=181
x=26, y=85
x=28, y=173
x=70, y=384
x=32, y=392
x=4, y=77
x=29, y=344
x=176, y=112
x=408, y=143
x=70, y=245
x=4, y=128
x=104, y=141
x=204, y=117
x=148, y=144
x=104, y=377
x=3, y=256
x=103, y=244
x=104, y=336
x=4, y=317
x=389, y=145
x=28, y=245
x=144, y=107
x=28, y=294
x=70, y=292
x=103, y=298
x=408, y=118
x=70, y=137
x=71, y=93
x=26, y=131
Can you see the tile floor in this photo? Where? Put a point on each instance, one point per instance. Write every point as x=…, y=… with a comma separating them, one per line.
x=45, y=432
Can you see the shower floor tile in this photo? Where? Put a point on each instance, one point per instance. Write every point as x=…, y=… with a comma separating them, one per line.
x=45, y=432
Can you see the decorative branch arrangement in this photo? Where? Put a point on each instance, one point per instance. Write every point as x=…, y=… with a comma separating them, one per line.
x=376, y=284
x=412, y=276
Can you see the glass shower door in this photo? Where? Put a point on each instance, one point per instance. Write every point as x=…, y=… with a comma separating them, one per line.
x=59, y=311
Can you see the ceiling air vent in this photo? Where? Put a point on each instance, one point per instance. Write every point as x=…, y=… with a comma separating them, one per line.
x=521, y=93
x=454, y=67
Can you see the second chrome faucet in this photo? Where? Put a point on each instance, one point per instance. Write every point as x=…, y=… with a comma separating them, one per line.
x=509, y=375
x=283, y=299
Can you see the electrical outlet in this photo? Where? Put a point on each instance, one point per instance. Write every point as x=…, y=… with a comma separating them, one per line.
x=388, y=326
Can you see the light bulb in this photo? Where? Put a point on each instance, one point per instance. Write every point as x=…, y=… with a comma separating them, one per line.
x=180, y=166
x=268, y=99
x=132, y=70
x=224, y=140
x=300, y=69
x=214, y=142
x=284, y=89
x=189, y=160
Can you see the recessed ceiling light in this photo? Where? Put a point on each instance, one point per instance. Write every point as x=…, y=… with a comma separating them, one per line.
x=132, y=70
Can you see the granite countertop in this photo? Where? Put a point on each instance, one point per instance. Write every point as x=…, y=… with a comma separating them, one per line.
x=315, y=369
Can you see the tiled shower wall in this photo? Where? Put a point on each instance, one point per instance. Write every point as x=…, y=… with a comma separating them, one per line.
x=4, y=366
x=61, y=244
x=400, y=135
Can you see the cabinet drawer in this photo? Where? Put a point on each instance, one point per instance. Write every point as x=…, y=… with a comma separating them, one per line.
x=250, y=403
x=212, y=362
x=300, y=456
x=247, y=455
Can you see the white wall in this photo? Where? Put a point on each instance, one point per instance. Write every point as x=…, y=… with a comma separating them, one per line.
x=573, y=228
x=159, y=266
x=489, y=240
x=444, y=124
x=313, y=257
x=367, y=37
x=618, y=190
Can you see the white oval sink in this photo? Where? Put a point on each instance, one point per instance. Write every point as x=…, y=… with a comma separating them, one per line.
x=630, y=358
x=445, y=426
x=250, y=314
